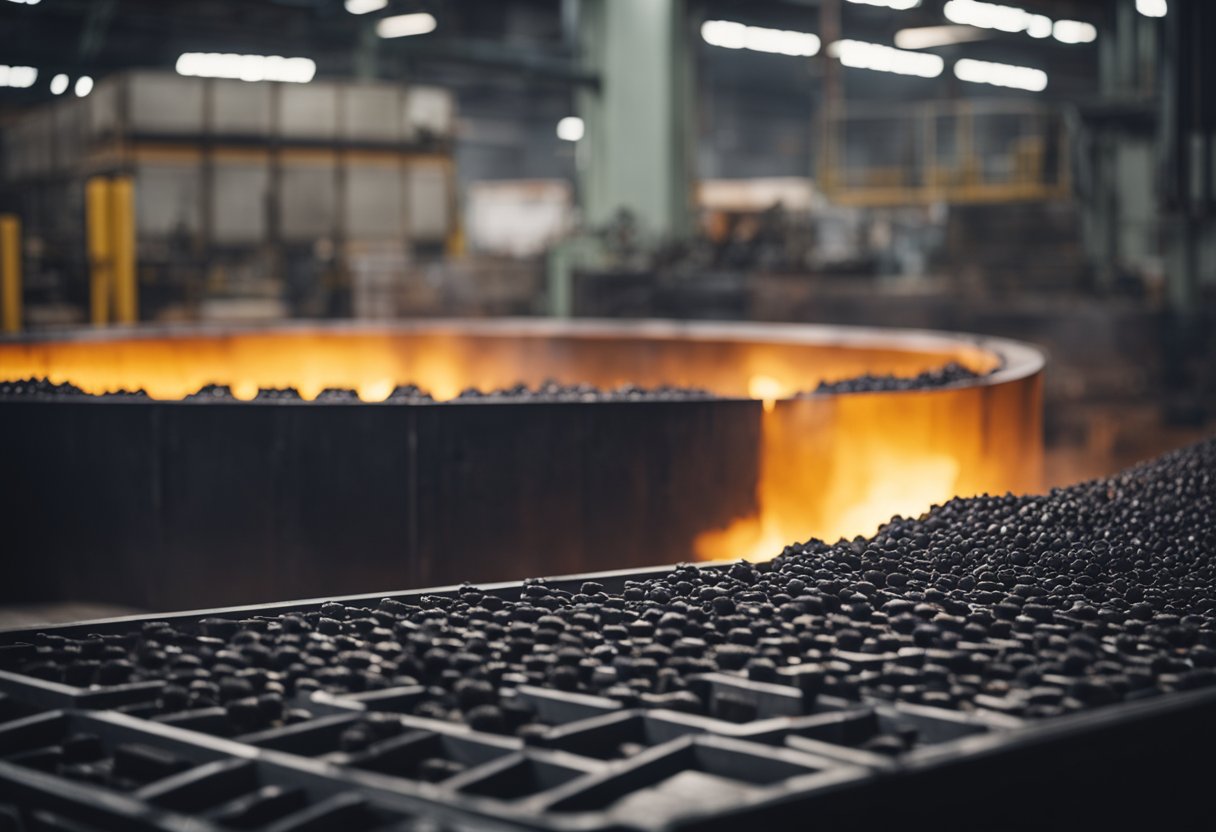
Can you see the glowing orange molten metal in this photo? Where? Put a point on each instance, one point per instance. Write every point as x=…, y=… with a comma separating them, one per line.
x=831, y=465
x=840, y=466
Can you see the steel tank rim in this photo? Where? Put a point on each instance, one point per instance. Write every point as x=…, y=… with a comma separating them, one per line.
x=1018, y=360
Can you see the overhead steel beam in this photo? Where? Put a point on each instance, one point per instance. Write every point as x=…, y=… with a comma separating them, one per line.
x=491, y=55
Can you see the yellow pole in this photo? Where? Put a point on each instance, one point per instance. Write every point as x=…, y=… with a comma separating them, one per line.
x=10, y=272
x=122, y=229
x=97, y=219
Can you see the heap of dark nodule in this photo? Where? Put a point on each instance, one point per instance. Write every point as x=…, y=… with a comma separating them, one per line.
x=945, y=376
x=38, y=387
x=41, y=388
x=1034, y=606
x=549, y=390
x=557, y=391
x=402, y=394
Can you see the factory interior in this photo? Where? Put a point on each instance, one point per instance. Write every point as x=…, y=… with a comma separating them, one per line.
x=681, y=414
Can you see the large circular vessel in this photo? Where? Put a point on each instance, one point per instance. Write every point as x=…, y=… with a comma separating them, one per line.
x=168, y=500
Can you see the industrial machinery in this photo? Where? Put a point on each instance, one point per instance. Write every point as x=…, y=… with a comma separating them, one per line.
x=161, y=498
x=241, y=199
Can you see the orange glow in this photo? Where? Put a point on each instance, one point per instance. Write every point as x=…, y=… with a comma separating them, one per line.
x=831, y=466
x=767, y=390
x=375, y=391
x=445, y=358
x=840, y=466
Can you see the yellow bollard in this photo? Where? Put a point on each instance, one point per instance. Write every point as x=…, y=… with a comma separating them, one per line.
x=10, y=272
x=122, y=230
x=97, y=220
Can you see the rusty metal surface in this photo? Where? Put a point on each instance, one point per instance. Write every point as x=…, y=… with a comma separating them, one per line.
x=162, y=505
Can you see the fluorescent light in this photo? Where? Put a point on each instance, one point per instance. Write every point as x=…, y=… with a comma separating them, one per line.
x=1012, y=19
x=1001, y=75
x=1039, y=26
x=570, y=129
x=731, y=35
x=1074, y=31
x=365, y=6
x=59, y=84
x=987, y=15
x=899, y=5
x=19, y=77
x=246, y=67
x=928, y=37
x=405, y=25
x=1152, y=8
x=84, y=86
x=861, y=55
x=26, y=2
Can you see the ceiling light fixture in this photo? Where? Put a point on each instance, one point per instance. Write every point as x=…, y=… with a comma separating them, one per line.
x=898, y=5
x=1014, y=20
x=930, y=37
x=1074, y=31
x=1152, y=8
x=1001, y=75
x=730, y=35
x=19, y=77
x=875, y=56
x=570, y=129
x=246, y=67
x=365, y=6
x=406, y=25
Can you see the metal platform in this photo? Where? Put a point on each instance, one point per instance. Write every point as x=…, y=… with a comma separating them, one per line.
x=767, y=755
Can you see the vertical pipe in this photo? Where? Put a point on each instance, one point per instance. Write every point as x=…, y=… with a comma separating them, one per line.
x=10, y=272
x=126, y=297
x=637, y=145
x=964, y=136
x=97, y=219
x=929, y=176
x=833, y=97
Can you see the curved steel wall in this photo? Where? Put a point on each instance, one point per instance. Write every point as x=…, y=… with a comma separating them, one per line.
x=166, y=503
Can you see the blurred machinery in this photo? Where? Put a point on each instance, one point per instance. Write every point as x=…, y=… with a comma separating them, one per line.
x=961, y=152
x=244, y=199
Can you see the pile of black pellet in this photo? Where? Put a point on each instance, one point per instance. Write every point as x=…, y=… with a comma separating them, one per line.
x=212, y=392
x=38, y=387
x=946, y=376
x=402, y=394
x=45, y=388
x=1033, y=606
x=551, y=390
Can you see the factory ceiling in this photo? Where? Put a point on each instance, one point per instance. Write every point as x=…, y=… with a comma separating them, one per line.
x=495, y=43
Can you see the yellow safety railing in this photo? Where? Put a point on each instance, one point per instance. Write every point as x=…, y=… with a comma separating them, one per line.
x=954, y=151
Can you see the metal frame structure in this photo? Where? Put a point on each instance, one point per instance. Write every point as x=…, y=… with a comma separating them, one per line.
x=789, y=761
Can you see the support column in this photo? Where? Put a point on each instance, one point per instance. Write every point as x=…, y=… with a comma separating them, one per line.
x=637, y=148
x=97, y=219
x=10, y=273
x=126, y=290
x=110, y=220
